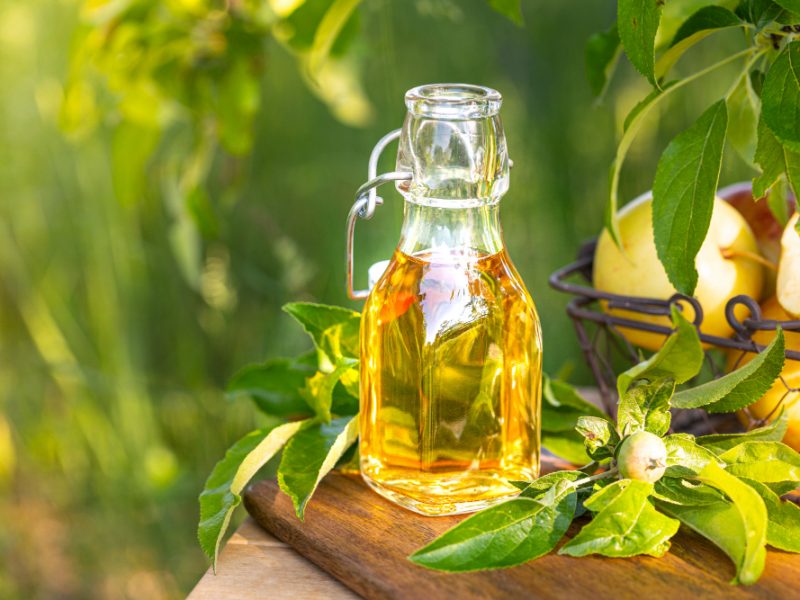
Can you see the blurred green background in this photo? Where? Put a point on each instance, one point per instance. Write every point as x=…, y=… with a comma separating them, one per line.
x=172, y=172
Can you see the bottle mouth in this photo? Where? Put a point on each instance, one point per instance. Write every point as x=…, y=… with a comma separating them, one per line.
x=455, y=101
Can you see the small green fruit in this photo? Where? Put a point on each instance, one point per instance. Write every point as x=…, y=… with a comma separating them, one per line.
x=642, y=456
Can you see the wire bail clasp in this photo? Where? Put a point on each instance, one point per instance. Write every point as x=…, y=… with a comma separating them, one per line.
x=364, y=206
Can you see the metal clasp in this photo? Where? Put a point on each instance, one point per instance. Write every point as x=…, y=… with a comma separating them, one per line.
x=364, y=206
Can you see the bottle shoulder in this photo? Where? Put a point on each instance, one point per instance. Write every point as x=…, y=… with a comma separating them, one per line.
x=434, y=279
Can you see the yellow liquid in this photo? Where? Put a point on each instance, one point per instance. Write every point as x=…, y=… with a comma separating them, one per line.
x=450, y=382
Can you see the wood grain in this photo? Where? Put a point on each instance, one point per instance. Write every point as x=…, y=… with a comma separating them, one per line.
x=363, y=540
x=256, y=566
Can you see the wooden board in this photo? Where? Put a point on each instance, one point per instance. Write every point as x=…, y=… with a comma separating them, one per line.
x=256, y=566
x=363, y=540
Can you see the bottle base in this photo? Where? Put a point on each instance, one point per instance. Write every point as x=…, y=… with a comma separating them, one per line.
x=444, y=497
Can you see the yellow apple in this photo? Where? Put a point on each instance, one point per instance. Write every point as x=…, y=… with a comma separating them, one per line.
x=789, y=269
x=756, y=211
x=765, y=227
x=725, y=266
x=765, y=408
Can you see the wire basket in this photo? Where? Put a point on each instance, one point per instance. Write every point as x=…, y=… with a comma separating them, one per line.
x=603, y=345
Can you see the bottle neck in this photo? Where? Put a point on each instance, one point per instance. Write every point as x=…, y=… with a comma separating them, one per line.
x=430, y=230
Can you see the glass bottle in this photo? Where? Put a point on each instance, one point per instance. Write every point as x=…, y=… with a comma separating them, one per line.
x=450, y=339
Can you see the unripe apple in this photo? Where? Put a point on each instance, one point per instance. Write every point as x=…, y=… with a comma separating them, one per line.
x=724, y=263
x=643, y=456
x=767, y=406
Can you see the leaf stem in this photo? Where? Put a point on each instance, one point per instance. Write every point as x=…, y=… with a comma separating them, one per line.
x=633, y=127
x=604, y=475
x=744, y=72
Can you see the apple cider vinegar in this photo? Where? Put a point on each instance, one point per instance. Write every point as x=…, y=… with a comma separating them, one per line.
x=451, y=349
x=450, y=402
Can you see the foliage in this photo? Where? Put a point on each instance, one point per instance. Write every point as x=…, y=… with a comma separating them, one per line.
x=720, y=493
x=764, y=92
x=181, y=81
x=716, y=485
x=312, y=446
x=504, y=537
x=229, y=477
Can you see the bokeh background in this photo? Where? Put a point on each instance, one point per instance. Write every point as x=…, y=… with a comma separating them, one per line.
x=173, y=171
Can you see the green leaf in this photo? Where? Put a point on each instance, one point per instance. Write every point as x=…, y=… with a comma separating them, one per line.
x=739, y=528
x=683, y=195
x=310, y=455
x=560, y=419
x=333, y=329
x=505, y=535
x=332, y=24
x=318, y=390
x=674, y=15
x=684, y=457
x=633, y=123
x=680, y=357
x=758, y=12
x=645, y=407
x=720, y=442
x=708, y=17
x=783, y=527
x=684, y=24
x=722, y=523
x=587, y=492
x=600, y=436
x=757, y=82
x=223, y=487
x=674, y=53
x=538, y=487
x=694, y=29
x=274, y=386
x=677, y=490
x=777, y=200
x=604, y=495
x=601, y=56
x=509, y=8
x=561, y=394
x=775, y=160
x=790, y=5
x=638, y=24
x=767, y=462
x=567, y=445
x=344, y=402
x=744, y=107
x=626, y=523
x=738, y=388
x=562, y=406
x=782, y=487
x=780, y=98
x=639, y=111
